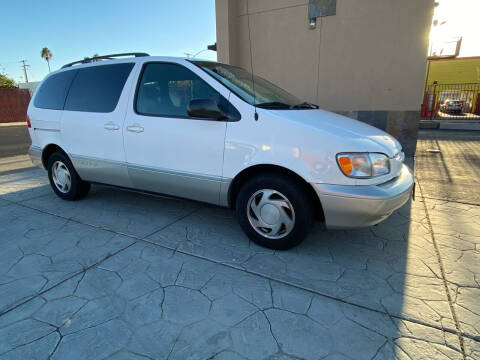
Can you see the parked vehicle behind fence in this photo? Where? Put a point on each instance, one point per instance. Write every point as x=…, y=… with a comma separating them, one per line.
x=452, y=106
x=214, y=133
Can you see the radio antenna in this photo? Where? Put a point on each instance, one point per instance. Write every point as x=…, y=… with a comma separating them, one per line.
x=251, y=63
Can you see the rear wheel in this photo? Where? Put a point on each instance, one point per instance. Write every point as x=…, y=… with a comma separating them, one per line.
x=64, y=179
x=274, y=211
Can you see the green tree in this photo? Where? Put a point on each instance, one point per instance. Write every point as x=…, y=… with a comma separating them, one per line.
x=6, y=82
x=47, y=55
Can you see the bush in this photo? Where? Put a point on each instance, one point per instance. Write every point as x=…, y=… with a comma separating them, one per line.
x=6, y=82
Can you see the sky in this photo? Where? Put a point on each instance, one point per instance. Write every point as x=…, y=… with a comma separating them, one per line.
x=75, y=29
x=456, y=18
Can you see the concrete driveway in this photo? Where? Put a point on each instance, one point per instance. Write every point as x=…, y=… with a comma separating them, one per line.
x=122, y=275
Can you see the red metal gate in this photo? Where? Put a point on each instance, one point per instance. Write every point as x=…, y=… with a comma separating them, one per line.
x=451, y=101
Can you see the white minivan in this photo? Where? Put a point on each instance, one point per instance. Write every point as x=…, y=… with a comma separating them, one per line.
x=214, y=133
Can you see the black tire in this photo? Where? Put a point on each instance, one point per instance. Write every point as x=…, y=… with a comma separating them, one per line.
x=77, y=189
x=297, y=198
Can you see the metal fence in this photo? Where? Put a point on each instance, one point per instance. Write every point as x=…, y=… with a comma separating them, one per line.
x=451, y=101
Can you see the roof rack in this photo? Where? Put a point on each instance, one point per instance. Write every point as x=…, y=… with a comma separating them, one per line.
x=104, y=57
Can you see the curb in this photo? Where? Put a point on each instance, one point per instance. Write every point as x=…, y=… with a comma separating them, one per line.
x=13, y=124
x=473, y=126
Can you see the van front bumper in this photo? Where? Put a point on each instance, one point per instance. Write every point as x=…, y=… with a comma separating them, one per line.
x=360, y=206
x=35, y=153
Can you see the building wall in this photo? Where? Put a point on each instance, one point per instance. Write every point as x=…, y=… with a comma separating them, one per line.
x=13, y=105
x=454, y=71
x=367, y=61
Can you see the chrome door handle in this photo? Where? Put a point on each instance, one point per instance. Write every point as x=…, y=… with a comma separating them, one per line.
x=135, y=128
x=111, y=126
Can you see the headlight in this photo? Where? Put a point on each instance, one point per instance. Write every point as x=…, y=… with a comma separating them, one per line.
x=363, y=165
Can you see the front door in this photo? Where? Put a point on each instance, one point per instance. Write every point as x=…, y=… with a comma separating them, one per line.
x=168, y=151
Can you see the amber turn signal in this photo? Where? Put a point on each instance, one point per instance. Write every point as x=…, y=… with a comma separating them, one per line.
x=345, y=164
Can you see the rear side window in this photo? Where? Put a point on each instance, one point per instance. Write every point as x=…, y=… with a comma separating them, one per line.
x=98, y=88
x=52, y=93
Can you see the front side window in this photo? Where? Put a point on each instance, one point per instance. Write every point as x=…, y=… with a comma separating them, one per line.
x=98, y=88
x=166, y=89
x=52, y=92
x=253, y=89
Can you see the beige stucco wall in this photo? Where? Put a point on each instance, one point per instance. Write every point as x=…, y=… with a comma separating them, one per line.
x=371, y=55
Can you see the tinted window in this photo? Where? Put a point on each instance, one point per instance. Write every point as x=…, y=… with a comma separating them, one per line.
x=167, y=89
x=251, y=88
x=98, y=88
x=52, y=92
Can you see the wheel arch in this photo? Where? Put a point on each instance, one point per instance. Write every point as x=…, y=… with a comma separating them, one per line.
x=256, y=170
x=49, y=150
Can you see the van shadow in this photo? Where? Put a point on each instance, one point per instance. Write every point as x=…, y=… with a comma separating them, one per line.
x=389, y=268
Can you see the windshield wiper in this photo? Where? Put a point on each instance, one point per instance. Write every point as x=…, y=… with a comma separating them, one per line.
x=281, y=105
x=305, y=105
x=274, y=105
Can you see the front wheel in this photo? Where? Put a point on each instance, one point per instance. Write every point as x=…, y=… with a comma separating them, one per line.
x=274, y=211
x=64, y=179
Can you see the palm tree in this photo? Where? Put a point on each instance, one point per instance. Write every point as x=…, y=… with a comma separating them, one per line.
x=47, y=55
x=93, y=58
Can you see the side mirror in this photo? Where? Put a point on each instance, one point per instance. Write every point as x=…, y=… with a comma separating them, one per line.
x=205, y=108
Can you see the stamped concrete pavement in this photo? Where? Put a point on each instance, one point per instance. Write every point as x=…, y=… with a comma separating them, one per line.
x=123, y=275
x=449, y=174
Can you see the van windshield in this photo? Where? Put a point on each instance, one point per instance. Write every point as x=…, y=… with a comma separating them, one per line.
x=253, y=89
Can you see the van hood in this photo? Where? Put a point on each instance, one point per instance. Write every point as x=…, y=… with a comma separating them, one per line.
x=364, y=137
